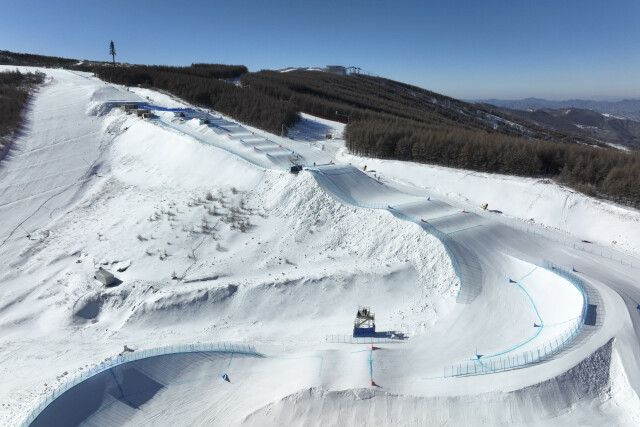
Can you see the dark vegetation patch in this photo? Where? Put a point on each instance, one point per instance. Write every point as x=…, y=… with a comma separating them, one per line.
x=28, y=59
x=202, y=84
x=14, y=94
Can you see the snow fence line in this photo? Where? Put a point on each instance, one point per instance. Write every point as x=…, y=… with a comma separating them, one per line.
x=228, y=348
x=536, y=355
x=350, y=339
x=469, y=289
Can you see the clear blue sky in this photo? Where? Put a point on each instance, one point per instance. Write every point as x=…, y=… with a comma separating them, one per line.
x=467, y=49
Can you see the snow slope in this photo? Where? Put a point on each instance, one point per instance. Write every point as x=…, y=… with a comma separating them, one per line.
x=210, y=247
x=534, y=201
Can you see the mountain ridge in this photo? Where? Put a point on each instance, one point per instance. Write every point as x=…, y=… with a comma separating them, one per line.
x=628, y=108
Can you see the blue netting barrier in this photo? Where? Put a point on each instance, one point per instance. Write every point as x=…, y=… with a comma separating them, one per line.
x=350, y=339
x=517, y=360
x=226, y=348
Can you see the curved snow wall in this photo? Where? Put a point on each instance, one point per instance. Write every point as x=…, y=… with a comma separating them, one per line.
x=102, y=381
x=465, y=263
x=535, y=355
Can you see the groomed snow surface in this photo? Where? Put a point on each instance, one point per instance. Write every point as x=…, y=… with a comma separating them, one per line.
x=210, y=247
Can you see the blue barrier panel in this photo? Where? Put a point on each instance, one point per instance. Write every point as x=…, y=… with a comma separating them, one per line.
x=491, y=364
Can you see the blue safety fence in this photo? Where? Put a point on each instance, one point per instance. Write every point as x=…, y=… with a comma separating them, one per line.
x=492, y=364
x=155, y=107
x=350, y=339
x=227, y=348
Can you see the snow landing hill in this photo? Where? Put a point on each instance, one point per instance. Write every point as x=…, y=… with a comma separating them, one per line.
x=215, y=242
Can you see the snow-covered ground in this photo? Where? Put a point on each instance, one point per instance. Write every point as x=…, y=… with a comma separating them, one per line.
x=211, y=247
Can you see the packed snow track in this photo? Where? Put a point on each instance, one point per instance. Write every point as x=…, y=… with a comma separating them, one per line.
x=276, y=264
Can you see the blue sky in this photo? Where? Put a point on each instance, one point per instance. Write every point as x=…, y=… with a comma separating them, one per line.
x=466, y=49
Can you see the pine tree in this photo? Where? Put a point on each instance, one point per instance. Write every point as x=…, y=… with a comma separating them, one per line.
x=112, y=52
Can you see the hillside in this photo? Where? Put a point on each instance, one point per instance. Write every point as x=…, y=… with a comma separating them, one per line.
x=392, y=120
x=626, y=108
x=604, y=127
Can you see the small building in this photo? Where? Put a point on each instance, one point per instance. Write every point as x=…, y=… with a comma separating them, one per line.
x=365, y=323
x=127, y=107
x=336, y=69
x=295, y=169
x=104, y=277
x=141, y=111
x=147, y=115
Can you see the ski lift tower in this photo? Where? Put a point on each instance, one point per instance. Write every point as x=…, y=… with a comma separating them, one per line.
x=365, y=323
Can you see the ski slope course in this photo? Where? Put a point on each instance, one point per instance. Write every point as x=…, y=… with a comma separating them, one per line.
x=512, y=303
x=350, y=185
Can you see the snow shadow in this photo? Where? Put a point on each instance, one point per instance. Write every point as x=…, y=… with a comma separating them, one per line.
x=309, y=131
x=124, y=384
x=116, y=395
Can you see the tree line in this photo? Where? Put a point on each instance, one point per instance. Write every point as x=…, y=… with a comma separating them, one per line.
x=393, y=120
x=601, y=172
x=13, y=58
x=365, y=97
x=14, y=93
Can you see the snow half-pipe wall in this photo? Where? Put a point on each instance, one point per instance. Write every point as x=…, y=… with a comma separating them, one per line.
x=121, y=380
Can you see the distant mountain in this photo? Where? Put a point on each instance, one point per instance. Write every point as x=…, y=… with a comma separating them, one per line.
x=624, y=109
x=604, y=127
